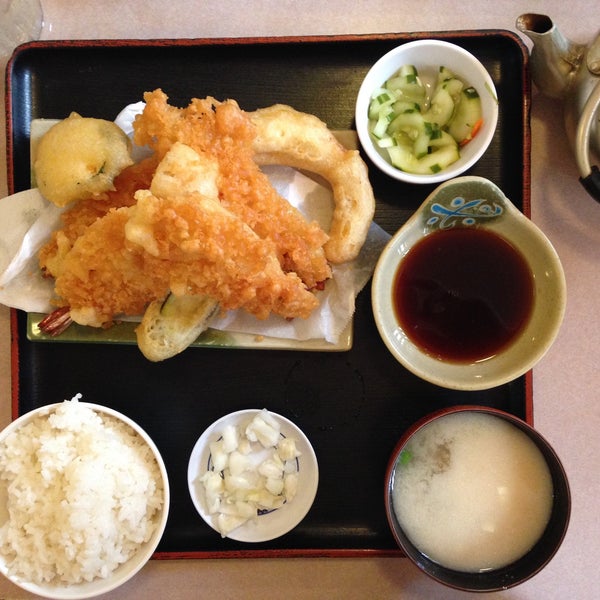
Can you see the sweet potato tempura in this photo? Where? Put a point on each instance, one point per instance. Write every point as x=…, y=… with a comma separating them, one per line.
x=224, y=131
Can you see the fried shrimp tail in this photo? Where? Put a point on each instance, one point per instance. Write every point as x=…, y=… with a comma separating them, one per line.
x=56, y=322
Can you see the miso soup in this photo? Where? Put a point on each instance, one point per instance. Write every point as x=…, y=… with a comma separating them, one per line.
x=472, y=491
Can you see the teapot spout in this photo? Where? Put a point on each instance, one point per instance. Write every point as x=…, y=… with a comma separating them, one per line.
x=554, y=59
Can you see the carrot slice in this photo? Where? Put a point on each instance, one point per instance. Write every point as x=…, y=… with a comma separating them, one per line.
x=474, y=131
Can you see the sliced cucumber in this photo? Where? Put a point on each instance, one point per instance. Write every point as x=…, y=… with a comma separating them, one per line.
x=403, y=106
x=441, y=108
x=454, y=87
x=422, y=137
x=380, y=128
x=402, y=158
x=452, y=84
x=430, y=138
x=467, y=117
x=440, y=159
x=410, y=123
x=407, y=85
x=379, y=100
x=386, y=142
x=422, y=145
x=443, y=139
x=445, y=74
x=408, y=71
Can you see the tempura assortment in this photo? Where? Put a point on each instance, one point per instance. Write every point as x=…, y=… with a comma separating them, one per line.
x=197, y=226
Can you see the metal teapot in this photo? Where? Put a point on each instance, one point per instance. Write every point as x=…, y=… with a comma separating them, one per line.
x=570, y=71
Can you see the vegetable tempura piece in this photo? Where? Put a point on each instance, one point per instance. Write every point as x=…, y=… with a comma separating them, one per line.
x=288, y=137
x=79, y=157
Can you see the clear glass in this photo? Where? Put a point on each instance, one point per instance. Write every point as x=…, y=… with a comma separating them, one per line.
x=20, y=21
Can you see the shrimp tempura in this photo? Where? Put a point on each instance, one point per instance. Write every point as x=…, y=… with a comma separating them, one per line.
x=180, y=241
x=224, y=131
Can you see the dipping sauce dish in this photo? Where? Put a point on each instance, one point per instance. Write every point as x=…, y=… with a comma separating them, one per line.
x=482, y=306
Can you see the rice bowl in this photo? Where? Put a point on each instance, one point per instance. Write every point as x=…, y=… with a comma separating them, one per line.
x=84, y=500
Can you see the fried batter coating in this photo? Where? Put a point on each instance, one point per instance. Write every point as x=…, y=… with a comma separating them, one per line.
x=300, y=140
x=201, y=248
x=200, y=218
x=184, y=170
x=81, y=215
x=79, y=157
x=225, y=132
x=101, y=277
x=187, y=244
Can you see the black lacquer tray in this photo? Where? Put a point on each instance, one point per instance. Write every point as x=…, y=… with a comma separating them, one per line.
x=353, y=405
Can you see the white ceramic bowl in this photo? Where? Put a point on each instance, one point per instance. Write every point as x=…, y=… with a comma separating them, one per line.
x=471, y=201
x=273, y=524
x=427, y=56
x=125, y=571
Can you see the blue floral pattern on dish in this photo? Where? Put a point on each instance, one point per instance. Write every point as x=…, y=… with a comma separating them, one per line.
x=463, y=211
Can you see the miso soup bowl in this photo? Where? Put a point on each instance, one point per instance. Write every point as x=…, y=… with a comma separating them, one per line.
x=522, y=569
x=473, y=202
x=428, y=56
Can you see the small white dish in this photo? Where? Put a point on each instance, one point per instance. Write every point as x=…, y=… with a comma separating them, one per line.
x=474, y=202
x=273, y=524
x=428, y=56
x=125, y=571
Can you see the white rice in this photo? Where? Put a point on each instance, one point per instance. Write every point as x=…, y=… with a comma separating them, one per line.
x=84, y=492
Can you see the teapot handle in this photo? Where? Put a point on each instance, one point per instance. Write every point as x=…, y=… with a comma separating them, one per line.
x=590, y=175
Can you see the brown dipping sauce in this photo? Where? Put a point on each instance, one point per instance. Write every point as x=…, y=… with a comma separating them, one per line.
x=463, y=294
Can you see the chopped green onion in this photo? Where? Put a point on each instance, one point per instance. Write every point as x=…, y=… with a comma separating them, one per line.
x=471, y=92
